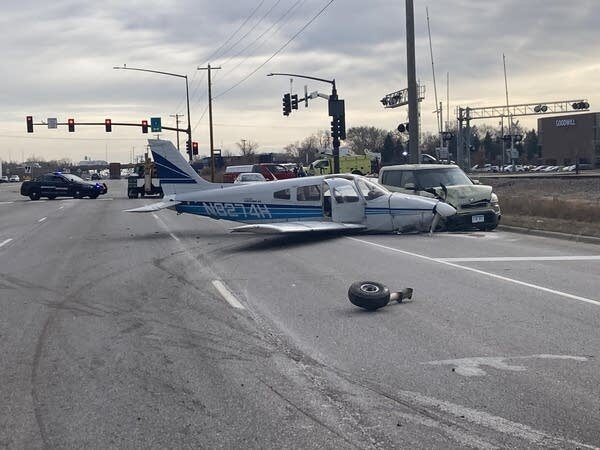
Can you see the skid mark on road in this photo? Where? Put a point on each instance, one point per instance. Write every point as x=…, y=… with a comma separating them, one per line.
x=481, y=272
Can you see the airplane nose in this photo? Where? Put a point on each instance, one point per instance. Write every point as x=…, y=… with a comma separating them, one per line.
x=444, y=209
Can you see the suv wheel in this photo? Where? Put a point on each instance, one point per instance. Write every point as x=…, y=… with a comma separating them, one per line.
x=34, y=195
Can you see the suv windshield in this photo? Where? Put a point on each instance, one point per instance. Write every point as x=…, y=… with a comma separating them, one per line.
x=72, y=177
x=451, y=176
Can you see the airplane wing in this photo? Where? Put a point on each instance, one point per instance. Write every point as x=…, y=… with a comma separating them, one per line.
x=153, y=207
x=297, y=227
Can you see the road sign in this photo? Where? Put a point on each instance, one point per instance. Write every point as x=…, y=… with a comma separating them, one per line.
x=155, y=124
x=52, y=122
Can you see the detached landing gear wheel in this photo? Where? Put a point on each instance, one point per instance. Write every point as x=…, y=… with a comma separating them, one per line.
x=369, y=295
x=34, y=195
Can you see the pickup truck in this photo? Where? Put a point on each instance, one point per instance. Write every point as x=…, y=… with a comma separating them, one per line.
x=59, y=184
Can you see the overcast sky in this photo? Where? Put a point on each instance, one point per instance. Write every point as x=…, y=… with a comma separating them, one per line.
x=58, y=59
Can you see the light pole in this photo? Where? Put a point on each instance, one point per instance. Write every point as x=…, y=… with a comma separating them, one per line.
x=187, y=96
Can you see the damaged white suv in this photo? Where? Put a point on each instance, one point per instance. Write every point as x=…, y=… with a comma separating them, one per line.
x=476, y=205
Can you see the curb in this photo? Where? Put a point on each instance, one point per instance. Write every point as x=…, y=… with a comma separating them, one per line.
x=552, y=234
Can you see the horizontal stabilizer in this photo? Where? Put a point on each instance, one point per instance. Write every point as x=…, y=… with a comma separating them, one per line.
x=153, y=207
x=296, y=227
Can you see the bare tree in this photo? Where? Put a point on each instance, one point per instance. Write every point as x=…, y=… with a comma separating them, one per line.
x=247, y=148
x=361, y=138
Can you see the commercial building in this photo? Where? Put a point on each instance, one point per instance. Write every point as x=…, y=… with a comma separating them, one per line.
x=570, y=139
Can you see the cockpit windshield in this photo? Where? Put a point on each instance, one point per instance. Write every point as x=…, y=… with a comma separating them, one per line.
x=370, y=190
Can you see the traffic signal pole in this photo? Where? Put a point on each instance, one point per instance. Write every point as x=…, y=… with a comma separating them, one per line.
x=336, y=111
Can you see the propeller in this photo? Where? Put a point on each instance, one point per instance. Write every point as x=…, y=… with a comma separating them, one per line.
x=440, y=210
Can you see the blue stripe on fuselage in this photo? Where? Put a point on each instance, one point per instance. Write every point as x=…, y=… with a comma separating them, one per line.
x=249, y=212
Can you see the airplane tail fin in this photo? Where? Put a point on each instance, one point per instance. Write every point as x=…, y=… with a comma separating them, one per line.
x=174, y=171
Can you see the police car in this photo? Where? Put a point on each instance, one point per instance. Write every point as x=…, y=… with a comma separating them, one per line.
x=59, y=184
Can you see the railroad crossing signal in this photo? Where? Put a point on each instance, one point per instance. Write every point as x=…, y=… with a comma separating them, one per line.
x=403, y=127
x=155, y=124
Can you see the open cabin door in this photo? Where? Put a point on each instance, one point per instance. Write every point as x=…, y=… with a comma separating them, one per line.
x=342, y=198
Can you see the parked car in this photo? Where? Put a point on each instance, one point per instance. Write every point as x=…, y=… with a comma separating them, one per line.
x=476, y=205
x=4, y=179
x=249, y=177
x=14, y=178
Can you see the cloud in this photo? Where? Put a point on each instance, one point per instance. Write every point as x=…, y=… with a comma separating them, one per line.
x=59, y=58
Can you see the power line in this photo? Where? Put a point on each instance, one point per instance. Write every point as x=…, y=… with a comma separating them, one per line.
x=279, y=21
x=277, y=52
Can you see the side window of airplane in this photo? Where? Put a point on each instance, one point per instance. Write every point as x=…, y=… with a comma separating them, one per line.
x=284, y=194
x=309, y=193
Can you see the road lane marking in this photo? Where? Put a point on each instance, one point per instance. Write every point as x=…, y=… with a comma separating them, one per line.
x=523, y=258
x=165, y=227
x=42, y=219
x=227, y=295
x=5, y=203
x=471, y=367
x=481, y=272
x=3, y=243
x=218, y=284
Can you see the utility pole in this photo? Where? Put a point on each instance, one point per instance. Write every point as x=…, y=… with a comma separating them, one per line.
x=413, y=103
x=177, y=116
x=210, y=123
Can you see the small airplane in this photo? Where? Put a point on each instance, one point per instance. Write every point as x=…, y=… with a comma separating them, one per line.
x=340, y=202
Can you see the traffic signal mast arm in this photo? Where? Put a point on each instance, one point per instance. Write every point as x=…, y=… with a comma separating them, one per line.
x=121, y=124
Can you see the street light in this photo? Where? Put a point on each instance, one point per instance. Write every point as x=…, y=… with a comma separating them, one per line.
x=187, y=95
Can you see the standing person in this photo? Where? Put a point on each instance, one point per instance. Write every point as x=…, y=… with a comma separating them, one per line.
x=301, y=172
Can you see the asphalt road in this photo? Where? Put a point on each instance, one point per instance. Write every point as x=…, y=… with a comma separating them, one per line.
x=126, y=330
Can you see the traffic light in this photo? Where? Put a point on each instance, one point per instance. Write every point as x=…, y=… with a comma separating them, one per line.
x=287, y=104
x=338, y=127
x=295, y=101
x=144, y=126
x=342, y=127
x=580, y=105
x=71, y=124
x=194, y=148
x=30, y=124
x=108, y=125
x=188, y=150
x=403, y=127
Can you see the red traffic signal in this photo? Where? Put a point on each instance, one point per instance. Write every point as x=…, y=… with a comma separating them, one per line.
x=108, y=125
x=194, y=148
x=144, y=126
x=71, y=124
x=30, y=124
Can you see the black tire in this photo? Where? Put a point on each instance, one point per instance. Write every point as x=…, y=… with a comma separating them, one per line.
x=132, y=193
x=369, y=295
x=94, y=196
x=34, y=195
x=77, y=194
x=51, y=197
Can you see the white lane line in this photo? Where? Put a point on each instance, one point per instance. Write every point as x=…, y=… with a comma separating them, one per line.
x=3, y=243
x=164, y=225
x=481, y=272
x=218, y=284
x=227, y=295
x=42, y=219
x=524, y=258
x=5, y=203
